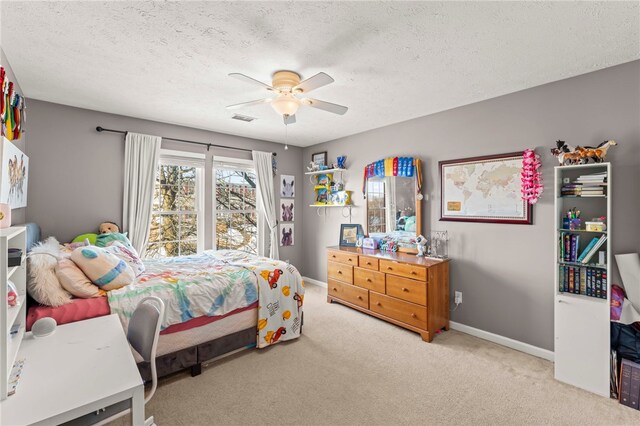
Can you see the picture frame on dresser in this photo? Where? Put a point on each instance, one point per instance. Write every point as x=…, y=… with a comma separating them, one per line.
x=349, y=234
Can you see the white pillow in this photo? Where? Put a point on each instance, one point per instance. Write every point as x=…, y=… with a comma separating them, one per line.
x=43, y=284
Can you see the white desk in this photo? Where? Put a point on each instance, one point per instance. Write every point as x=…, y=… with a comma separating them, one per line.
x=80, y=368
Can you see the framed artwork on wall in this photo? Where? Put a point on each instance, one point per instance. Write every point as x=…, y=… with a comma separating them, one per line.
x=320, y=158
x=484, y=189
x=287, y=186
x=286, y=235
x=287, y=210
x=14, y=173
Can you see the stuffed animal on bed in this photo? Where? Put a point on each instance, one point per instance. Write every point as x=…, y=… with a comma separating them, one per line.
x=109, y=227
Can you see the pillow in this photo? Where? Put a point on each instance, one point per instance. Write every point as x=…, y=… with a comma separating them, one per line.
x=104, y=269
x=43, y=284
x=75, y=281
x=81, y=238
x=128, y=254
x=104, y=240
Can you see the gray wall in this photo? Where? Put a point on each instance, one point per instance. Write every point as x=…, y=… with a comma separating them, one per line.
x=76, y=174
x=504, y=271
x=17, y=215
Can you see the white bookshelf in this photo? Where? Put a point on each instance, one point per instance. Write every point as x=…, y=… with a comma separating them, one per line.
x=581, y=322
x=14, y=237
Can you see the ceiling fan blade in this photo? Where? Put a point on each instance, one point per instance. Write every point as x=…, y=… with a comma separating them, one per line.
x=326, y=106
x=245, y=104
x=312, y=83
x=250, y=80
x=289, y=119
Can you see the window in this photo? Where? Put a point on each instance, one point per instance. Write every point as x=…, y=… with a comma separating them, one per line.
x=176, y=221
x=236, y=218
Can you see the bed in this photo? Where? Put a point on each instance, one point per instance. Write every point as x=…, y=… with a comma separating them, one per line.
x=216, y=302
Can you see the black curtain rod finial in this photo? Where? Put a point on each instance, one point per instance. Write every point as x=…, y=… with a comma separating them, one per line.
x=100, y=129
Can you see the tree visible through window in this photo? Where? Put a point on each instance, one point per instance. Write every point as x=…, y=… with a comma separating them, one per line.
x=236, y=215
x=174, y=222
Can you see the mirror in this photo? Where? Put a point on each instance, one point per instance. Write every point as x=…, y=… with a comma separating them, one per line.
x=393, y=209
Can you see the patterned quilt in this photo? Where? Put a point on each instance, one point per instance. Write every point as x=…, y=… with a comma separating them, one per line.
x=215, y=283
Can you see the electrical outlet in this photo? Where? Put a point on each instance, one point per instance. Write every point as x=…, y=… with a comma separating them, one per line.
x=458, y=298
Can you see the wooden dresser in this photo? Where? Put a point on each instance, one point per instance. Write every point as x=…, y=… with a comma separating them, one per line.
x=401, y=288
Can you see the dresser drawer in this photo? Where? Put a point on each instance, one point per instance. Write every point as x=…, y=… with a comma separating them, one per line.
x=349, y=293
x=372, y=280
x=407, y=289
x=403, y=269
x=342, y=257
x=368, y=262
x=340, y=272
x=408, y=313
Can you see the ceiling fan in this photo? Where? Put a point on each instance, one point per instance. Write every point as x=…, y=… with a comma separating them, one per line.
x=288, y=87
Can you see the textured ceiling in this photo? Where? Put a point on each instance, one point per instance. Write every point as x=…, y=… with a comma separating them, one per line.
x=392, y=61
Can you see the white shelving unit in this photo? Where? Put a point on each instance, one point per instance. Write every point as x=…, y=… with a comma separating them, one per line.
x=582, y=323
x=14, y=237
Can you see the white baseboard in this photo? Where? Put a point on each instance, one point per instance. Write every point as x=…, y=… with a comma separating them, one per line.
x=311, y=281
x=491, y=337
x=504, y=341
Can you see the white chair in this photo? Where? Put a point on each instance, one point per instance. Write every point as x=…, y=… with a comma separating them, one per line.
x=142, y=334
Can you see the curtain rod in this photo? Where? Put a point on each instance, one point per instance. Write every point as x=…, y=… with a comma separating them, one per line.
x=208, y=145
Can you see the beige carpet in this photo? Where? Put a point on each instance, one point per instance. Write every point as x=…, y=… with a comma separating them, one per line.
x=349, y=368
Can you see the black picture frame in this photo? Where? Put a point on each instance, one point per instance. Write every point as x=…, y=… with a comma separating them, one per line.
x=322, y=161
x=349, y=234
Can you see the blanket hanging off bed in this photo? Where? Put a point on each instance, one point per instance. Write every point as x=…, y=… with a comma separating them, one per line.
x=214, y=283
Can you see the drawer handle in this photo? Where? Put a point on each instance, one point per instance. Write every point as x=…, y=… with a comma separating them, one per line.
x=360, y=297
x=413, y=273
x=413, y=316
x=378, y=304
x=369, y=263
x=404, y=289
x=368, y=280
x=350, y=260
x=340, y=272
x=389, y=268
x=335, y=289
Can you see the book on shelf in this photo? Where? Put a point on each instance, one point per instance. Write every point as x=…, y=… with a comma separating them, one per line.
x=629, y=384
x=587, y=249
x=594, y=249
x=583, y=280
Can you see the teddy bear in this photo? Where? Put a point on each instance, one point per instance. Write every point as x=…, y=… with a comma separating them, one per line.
x=109, y=228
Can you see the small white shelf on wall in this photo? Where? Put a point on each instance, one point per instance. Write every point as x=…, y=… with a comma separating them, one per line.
x=12, y=318
x=582, y=317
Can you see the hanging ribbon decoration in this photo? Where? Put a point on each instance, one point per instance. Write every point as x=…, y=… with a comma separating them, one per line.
x=393, y=166
x=12, y=107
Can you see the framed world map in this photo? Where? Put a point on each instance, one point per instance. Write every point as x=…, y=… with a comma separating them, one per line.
x=484, y=189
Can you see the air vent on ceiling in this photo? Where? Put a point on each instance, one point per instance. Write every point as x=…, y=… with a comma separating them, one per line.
x=245, y=118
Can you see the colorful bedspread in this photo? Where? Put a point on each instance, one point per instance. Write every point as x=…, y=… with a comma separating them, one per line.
x=215, y=283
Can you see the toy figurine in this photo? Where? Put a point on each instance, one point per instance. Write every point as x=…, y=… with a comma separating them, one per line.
x=421, y=244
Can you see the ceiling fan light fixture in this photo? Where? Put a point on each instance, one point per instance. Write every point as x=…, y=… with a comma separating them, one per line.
x=285, y=104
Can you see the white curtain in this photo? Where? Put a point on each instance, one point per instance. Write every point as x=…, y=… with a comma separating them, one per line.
x=141, y=155
x=267, y=202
